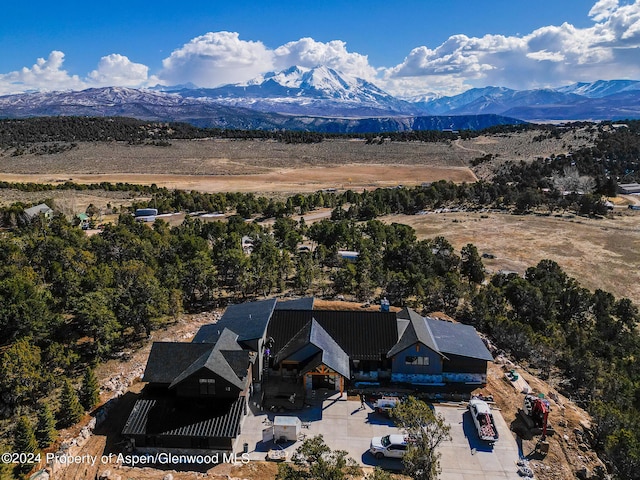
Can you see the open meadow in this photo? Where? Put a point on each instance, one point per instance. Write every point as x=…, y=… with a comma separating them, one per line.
x=599, y=253
x=260, y=166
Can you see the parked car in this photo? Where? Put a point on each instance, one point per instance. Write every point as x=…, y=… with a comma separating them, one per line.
x=391, y=446
x=385, y=404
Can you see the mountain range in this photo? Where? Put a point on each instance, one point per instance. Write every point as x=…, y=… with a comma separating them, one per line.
x=322, y=99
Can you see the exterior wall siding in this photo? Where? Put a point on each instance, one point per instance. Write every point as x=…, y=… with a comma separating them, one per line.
x=400, y=366
x=190, y=387
x=480, y=378
x=417, y=378
x=459, y=364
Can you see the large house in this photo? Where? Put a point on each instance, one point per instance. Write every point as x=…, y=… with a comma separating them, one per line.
x=198, y=392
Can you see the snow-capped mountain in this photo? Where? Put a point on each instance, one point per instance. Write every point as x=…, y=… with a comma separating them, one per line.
x=601, y=88
x=600, y=100
x=208, y=112
x=141, y=104
x=322, y=99
x=308, y=91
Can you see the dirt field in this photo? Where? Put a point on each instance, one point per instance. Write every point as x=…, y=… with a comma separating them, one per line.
x=277, y=180
x=566, y=450
x=599, y=253
x=247, y=166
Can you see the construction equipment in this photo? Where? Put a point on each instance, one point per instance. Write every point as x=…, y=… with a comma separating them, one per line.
x=536, y=415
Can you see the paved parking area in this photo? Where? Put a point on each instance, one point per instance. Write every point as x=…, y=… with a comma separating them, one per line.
x=465, y=457
x=345, y=426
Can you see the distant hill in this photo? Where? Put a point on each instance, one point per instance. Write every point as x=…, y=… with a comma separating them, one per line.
x=600, y=100
x=206, y=112
x=322, y=99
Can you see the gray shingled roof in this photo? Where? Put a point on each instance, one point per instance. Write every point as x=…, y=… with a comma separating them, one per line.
x=298, y=341
x=305, y=303
x=167, y=360
x=416, y=332
x=173, y=362
x=445, y=338
x=330, y=352
x=217, y=361
x=333, y=356
x=458, y=339
x=248, y=320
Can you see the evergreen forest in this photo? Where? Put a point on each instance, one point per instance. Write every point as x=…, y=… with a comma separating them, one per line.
x=69, y=301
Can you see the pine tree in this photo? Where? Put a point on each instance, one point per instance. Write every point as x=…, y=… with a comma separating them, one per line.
x=89, y=391
x=24, y=438
x=24, y=441
x=46, y=431
x=70, y=409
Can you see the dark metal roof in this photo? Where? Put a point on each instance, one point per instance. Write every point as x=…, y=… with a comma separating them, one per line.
x=361, y=335
x=416, y=332
x=248, y=320
x=167, y=418
x=305, y=303
x=167, y=360
x=458, y=339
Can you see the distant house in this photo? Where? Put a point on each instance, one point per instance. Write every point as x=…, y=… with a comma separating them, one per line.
x=281, y=351
x=629, y=188
x=247, y=244
x=36, y=210
x=146, y=214
x=83, y=221
x=348, y=255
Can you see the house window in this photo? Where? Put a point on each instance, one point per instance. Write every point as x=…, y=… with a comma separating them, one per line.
x=418, y=361
x=207, y=386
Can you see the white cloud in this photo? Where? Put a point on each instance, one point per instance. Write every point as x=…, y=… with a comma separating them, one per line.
x=603, y=9
x=548, y=56
x=542, y=55
x=44, y=75
x=216, y=58
x=118, y=70
x=306, y=52
x=551, y=55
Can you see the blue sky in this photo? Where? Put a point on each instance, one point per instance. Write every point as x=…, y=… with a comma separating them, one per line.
x=407, y=47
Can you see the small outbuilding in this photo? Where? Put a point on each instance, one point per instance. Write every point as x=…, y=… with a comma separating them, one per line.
x=36, y=210
x=286, y=429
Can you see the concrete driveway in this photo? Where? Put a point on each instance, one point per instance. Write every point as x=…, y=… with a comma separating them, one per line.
x=345, y=426
x=466, y=457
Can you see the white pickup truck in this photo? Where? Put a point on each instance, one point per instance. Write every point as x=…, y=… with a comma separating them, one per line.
x=483, y=420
